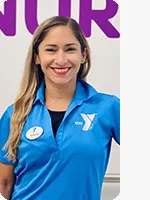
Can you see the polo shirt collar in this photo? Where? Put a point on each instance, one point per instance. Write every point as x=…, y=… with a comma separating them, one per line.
x=40, y=96
x=83, y=92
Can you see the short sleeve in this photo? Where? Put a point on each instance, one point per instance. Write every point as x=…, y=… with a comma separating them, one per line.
x=116, y=119
x=4, y=134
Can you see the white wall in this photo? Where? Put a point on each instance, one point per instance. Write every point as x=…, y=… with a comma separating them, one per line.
x=110, y=191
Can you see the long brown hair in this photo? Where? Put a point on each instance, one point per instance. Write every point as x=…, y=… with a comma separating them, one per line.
x=33, y=76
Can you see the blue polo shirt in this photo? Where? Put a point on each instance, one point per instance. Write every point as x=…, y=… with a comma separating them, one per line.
x=72, y=165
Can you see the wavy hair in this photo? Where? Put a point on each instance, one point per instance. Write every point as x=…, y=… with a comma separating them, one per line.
x=33, y=77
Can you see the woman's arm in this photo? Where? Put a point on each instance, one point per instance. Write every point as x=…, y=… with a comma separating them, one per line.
x=116, y=119
x=7, y=179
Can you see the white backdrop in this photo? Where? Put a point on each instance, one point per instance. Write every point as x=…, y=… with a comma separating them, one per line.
x=104, y=74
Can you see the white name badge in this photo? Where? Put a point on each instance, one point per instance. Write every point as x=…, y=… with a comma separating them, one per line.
x=34, y=132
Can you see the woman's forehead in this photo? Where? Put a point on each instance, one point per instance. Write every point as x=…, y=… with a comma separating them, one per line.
x=60, y=34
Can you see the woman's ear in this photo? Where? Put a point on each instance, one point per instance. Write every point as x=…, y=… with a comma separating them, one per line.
x=37, y=60
x=84, y=55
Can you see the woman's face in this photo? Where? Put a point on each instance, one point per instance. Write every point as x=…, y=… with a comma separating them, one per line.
x=60, y=56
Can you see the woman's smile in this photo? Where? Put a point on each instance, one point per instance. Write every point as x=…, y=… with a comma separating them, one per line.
x=60, y=71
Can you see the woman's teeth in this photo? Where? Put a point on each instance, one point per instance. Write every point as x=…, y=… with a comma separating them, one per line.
x=60, y=70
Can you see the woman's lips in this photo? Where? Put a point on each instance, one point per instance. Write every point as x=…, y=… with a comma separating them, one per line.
x=60, y=71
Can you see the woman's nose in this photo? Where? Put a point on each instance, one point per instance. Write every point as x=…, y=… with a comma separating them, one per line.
x=61, y=58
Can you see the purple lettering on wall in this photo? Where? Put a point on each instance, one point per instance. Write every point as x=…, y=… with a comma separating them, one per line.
x=86, y=15
x=8, y=19
x=64, y=8
x=31, y=15
x=101, y=17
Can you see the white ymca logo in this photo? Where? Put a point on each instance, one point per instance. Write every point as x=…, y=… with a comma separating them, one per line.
x=88, y=119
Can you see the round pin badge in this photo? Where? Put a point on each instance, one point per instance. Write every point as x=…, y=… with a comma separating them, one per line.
x=34, y=133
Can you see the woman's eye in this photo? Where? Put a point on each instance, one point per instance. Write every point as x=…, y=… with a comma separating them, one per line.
x=71, y=49
x=51, y=50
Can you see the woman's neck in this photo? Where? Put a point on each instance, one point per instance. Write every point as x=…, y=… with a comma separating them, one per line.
x=58, y=98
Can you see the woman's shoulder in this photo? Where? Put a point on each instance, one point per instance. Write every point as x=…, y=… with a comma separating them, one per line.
x=101, y=96
x=8, y=111
x=107, y=96
x=106, y=100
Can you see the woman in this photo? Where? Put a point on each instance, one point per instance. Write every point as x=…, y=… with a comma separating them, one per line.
x=55, y=140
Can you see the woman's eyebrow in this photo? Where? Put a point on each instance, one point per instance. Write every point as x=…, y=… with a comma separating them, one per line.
x=54, y=45
x=70, y=44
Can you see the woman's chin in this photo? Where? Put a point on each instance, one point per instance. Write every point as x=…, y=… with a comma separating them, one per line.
x=63, y=81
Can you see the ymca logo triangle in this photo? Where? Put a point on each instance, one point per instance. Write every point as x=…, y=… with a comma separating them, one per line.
x=88, y=119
